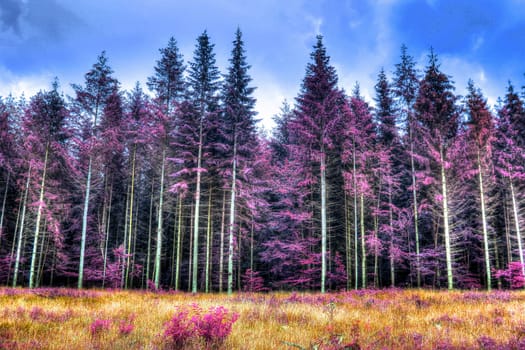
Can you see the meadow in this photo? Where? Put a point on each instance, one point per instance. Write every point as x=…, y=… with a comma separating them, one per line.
x=365, y=319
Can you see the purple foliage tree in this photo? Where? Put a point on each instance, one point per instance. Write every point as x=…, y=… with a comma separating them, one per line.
x=438, y=115
x=89, y=104
x=509, y=163
x=317, y=120
x=480, y=138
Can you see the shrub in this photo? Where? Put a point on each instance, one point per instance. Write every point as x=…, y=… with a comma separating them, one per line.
x=216, y=325
x=212, y=327
x=179, y=330
x=98, y=326
x=252, y=282
x=513, y=275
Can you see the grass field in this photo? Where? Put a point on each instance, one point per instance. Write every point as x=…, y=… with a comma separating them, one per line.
x=371, y=319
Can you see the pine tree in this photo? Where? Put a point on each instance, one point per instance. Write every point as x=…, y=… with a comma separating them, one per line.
x=316, y=122
x=45, y=122
x=358, y=153
x=139, y=137
x=169, y=86
x=110, y=149
x=7, y=171
x=239, y=131
x=385, y=111
x=168, y=81
x=509, y=159
x=438, y=114
x=481, y=132
x=90, y=101
x=388, y=171
x=204, y=86
x=405, y=87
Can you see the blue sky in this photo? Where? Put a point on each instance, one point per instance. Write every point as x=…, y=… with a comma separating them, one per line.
x=482, y=40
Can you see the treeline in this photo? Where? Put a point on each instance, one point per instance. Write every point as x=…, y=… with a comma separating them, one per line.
x=109, y=188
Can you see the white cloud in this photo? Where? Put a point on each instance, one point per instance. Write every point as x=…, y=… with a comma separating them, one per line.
x=478, y=42
x=367, y=60
x=27, y=85
x=270, y=95
x=462, y=70
x=316, y=22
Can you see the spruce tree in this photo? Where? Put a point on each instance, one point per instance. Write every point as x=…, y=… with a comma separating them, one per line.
x=510, y=159
x=90, y=101
x=405, y=87
x=169, y=86
x=315, y=126
x=388, y=172
x=438, y=114
x=204, y=86
x=239, y=131
x=480, y=137
x=168, y=80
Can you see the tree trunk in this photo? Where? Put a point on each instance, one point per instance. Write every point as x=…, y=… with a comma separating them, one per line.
x=497, y=260
x=208, y=246
x=123, y=268
x=391, y=223
x=197, y=214
x=106, y=240
x=415, y=207
x=446, y=228
x=515, y=211
x=134, y=246
x=507, y=229
x=148, y=252
x=356, y=249
x=130, y=215
x=158, y=251
x=221, y=242
x=231, y=228
x=84, y=225
x=179, y=239
x=174, y=247
x=4, y=200
x=38, y=219
x=363, y=239
x=21, y=232
x=323, y=222
x=190, y=260
x=13, y=243
x=41, y=258
x=376, y=234
x=239, y=257
x=484, y=225
x=251, y=246
x=348, y=240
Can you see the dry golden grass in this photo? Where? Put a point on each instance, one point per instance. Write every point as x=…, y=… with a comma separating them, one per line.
x=388, y=319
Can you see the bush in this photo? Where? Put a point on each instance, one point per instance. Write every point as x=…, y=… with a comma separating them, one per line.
x=179, y=330
x=513, y=275
x=212, y=327
x=216, y=325
x=98, y=326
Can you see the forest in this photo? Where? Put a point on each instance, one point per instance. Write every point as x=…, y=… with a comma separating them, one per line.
x=177, y=188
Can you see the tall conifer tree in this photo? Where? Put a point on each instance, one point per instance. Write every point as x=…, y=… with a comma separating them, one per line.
x=90, y=101
x=169, y=86
x=480, y=137
x=317, y=120
x=405, y=87
x=204, y=86
x=239, y=131
x=438, y=115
